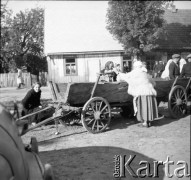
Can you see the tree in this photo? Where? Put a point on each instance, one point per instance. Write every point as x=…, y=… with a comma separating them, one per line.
x=31, y=61
x=5, y=53
x=136, y=24
x=28, y=32
x=23, y=34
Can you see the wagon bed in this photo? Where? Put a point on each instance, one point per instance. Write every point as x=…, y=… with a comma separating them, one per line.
x=77, y=94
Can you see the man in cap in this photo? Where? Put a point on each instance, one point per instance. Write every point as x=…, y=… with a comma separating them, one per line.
x=186, y=70
x=174, y=69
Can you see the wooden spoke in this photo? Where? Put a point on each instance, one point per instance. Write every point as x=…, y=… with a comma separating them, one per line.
x=92, y=107
x=102, y=124
x=174, y=108
x=180, y=109
x=175, y=95
x=104, y=108
x=182, y=94
x=93, y=125
x=178, y=93
x=97, y=126
x=90, y=121
x=100, y=105
x=173, y=102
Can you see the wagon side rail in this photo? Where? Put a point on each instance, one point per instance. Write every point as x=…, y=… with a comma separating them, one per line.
x=188, y=85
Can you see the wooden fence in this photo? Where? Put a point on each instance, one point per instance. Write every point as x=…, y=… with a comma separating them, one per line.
x=10, y=79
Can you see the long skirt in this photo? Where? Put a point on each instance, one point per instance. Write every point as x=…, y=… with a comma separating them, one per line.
x=147, y=109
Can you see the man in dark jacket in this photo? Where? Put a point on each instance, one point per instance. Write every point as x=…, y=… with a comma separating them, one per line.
x=186, y=70
x=174, y=69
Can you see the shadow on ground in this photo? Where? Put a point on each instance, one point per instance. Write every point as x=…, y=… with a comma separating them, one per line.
x=119, y=122
x=95, y=163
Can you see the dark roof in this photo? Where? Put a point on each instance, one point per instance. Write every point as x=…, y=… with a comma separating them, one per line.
x=178, y=30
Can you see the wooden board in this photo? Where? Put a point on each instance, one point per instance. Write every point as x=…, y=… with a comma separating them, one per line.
x=163, y=87
x=77, y=94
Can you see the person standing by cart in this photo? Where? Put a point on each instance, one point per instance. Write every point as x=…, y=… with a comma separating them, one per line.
x=186, y=70
x=31, y=102
x=141, y=87
x=19, y=78
x=116, y=71
x=174, y=69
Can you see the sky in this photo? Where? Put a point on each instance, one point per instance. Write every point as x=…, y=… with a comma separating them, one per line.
x=84, y=30
x=16, y=5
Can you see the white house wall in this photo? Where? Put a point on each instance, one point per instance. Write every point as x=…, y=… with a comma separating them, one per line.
x=95, y=65
x=87, y=68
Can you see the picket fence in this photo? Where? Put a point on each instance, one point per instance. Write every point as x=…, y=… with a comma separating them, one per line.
x=10, y=79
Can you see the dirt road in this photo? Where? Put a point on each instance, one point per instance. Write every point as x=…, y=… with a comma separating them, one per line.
x=77, y=154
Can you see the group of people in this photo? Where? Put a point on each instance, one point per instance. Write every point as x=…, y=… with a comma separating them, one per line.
x=158, y=69
x=141, y=87
x=176, y=66
x=111, y=71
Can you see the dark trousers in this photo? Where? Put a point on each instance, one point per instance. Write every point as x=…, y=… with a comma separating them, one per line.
x=20, y=84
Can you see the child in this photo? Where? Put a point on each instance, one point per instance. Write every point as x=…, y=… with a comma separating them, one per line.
x=19, y=78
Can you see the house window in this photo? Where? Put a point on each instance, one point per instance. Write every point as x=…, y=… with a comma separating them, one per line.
x=70, y=67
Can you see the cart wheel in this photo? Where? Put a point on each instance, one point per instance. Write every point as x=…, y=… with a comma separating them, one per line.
x=177, y=103
x=96, y=115
x=127, y=111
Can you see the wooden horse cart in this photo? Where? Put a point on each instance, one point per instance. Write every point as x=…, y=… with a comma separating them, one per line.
x=94, y=103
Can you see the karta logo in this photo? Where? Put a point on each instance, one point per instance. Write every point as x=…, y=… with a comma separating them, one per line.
x=121, y=166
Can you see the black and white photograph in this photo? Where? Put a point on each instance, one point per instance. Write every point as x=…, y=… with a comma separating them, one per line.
x=95, y=90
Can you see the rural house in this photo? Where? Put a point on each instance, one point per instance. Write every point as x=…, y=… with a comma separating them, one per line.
x=78, y=45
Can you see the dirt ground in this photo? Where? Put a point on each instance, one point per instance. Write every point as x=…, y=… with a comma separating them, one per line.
x=77, y=154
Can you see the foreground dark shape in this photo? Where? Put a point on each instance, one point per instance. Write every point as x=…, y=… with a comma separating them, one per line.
x=19, y=161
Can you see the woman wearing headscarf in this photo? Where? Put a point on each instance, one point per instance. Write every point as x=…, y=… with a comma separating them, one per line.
x=141, y=87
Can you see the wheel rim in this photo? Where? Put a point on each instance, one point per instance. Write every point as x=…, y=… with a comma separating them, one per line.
x=178, y=102
x=96, y=115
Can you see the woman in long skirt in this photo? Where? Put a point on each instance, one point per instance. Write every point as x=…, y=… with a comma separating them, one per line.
x=141, y=87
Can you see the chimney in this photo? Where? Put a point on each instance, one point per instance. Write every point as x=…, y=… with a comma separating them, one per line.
x=174, y=10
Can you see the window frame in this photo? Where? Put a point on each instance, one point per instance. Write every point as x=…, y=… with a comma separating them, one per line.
x=65, y=63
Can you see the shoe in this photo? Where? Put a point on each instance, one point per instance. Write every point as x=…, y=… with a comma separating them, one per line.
x=149, y=124
x=143, y=125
